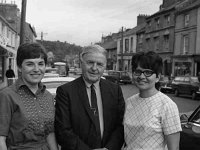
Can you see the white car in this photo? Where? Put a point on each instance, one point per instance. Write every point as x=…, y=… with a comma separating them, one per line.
x=53, y=82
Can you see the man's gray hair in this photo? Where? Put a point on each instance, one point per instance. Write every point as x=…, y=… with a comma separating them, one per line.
x=93, y=49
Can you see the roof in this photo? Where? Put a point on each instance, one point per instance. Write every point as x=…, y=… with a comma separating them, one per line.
x=163, y=10
x=189, y=6
x=6, y=22
x=109, y=45
x=135, y=29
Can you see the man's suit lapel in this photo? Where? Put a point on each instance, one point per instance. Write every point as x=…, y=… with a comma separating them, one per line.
x=105, y=100
x=84, y=98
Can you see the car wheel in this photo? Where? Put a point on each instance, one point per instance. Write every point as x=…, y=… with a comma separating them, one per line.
x=194, y=95
x=176, y=92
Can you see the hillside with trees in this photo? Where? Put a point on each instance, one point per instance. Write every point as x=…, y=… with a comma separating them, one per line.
x=62, y=51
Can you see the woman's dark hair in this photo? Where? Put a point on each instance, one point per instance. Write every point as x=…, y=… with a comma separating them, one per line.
x=30, y=51
x=147, y=60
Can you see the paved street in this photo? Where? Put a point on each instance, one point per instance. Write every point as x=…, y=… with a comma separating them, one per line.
x=185, y=104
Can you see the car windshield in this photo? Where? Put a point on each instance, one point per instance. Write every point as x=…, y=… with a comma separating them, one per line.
x=124, y=74
x=195, y=79
x=165, y=79
x=113, y=73
x=54, y=84
x=195, y=117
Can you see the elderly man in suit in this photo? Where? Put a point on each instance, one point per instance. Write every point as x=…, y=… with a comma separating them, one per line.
x=89, y=110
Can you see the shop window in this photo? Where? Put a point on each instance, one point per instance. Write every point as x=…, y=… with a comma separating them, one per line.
x=182, y=68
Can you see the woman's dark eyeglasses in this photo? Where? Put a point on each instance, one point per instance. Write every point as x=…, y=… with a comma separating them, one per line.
x=147, y=73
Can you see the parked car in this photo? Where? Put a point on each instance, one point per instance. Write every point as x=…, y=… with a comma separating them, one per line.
x=71, y=69
x=189, y=85
x=190, y=135
x=50, y=75
x=51, y=70
x=77, y=71
x=164, y=85
x=53, y=82
x=118, y=77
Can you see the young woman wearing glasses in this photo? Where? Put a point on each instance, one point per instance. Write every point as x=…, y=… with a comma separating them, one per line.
x=151, y=118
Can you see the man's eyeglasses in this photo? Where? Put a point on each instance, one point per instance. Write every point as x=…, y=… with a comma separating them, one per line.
x=147, y=73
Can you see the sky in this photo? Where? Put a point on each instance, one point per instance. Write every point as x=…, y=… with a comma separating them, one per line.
x=83, y=22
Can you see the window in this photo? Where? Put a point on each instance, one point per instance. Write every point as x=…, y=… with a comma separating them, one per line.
x=121, y=46
x=166, y=42
x=157, y=22
x=156, y=43
x=149, y=25
x=186, y=20
x=185, y=44
x=167, y=20
x=182, y=69
x=131, y=44
x=126, y=45
x=148, y=44
x=140, y=38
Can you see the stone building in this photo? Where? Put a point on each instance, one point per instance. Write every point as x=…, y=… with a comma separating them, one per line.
x=9, y=42
x=186, y=58
x=10, y=18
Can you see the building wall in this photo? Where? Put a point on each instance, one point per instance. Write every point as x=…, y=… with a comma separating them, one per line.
x=184, y=58
x=198, y=32
x=8, y=49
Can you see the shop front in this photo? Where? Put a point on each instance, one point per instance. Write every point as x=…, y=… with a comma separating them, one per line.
x=2, y=67
x=183, y=66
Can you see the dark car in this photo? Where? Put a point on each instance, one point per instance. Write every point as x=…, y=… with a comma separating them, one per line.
x=190, y=135
x=118, y=77
x=188, y=85
x=164, y=85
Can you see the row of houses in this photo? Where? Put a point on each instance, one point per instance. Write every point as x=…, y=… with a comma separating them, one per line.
x=10, y=37
x=173, y=32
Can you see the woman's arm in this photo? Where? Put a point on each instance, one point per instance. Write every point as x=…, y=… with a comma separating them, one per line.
x=51, y=140
x=173, y=141
x=3, y=143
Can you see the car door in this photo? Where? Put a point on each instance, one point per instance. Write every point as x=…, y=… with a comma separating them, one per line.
x=125, y=77
x=187, y=86
x=178, y=84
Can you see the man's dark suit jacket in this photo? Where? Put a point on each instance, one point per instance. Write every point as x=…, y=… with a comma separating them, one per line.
x=74, y=123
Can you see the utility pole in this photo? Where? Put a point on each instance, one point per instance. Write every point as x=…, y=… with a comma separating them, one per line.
x=122, y=45
x=23, y=22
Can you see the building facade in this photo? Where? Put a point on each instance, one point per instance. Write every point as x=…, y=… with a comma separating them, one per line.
x=186, y=58
x=159, y=35
x=126, y=46
x=10, y=19
x=9, y=42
